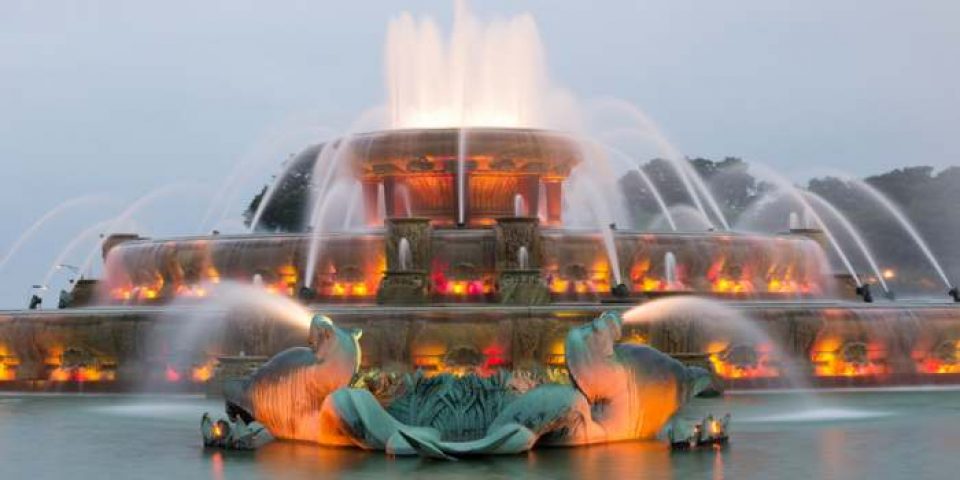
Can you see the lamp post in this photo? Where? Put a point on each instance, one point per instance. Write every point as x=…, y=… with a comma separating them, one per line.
x=35, y=299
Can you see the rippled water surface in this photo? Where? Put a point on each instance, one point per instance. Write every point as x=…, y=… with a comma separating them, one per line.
x=884, y=434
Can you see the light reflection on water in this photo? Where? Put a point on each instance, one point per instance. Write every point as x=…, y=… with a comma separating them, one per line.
x=813, y=415
x=902, y=434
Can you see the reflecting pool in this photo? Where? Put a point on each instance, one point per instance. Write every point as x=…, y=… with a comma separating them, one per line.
x=888, y=433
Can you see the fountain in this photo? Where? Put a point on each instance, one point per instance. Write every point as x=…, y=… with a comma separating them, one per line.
x=491, y=266
x=502, y=259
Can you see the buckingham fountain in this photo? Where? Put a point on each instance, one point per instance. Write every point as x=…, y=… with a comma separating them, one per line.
x=462, y=312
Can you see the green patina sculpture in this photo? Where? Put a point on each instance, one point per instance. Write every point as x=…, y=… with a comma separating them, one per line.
x=616, y=392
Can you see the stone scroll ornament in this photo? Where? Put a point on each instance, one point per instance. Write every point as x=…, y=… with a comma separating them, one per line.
x=615, y=392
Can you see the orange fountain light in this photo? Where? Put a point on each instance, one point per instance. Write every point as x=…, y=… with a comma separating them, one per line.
x=202, y=373
x=81, y=374
x=733, y=362
x=831, y=358
x=7, y=373
x=559, y=285
x=944, y=359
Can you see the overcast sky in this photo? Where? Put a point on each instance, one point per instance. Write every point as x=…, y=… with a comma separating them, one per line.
x=122, y=97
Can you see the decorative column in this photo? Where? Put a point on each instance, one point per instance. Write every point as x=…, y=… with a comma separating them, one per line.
x=405, y=282
x=518, y=261
x=371, y=192
x=530, y=189
x=389, y=196
x=554, y=190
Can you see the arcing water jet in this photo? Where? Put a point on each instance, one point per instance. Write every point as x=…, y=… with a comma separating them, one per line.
x=855, y=234
x=47, y=217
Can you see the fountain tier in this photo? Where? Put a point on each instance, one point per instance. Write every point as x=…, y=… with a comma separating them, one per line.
x=455, y=278
x=463, y=265
x=421, y=174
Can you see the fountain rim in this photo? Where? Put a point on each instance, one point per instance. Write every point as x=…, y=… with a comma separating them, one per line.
x=546, y=230
x=452, y=130
x=377, y=152
x=560, y=309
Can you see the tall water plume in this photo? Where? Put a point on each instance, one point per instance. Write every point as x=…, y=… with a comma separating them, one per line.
x=483, y=74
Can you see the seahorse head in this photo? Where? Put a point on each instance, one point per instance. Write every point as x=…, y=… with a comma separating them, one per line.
x=334, y=345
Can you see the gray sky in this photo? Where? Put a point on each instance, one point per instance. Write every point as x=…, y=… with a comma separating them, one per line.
x=123, y=97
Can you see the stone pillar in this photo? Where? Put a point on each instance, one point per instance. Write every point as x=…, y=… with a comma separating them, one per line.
x=554, y=189
x=389, y=196
x=371, y=191
x=410, y=285
x=530, y=189
x=516, y=285
x=418, y=233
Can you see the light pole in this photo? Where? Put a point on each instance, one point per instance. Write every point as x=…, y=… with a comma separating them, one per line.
x=35, y=298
